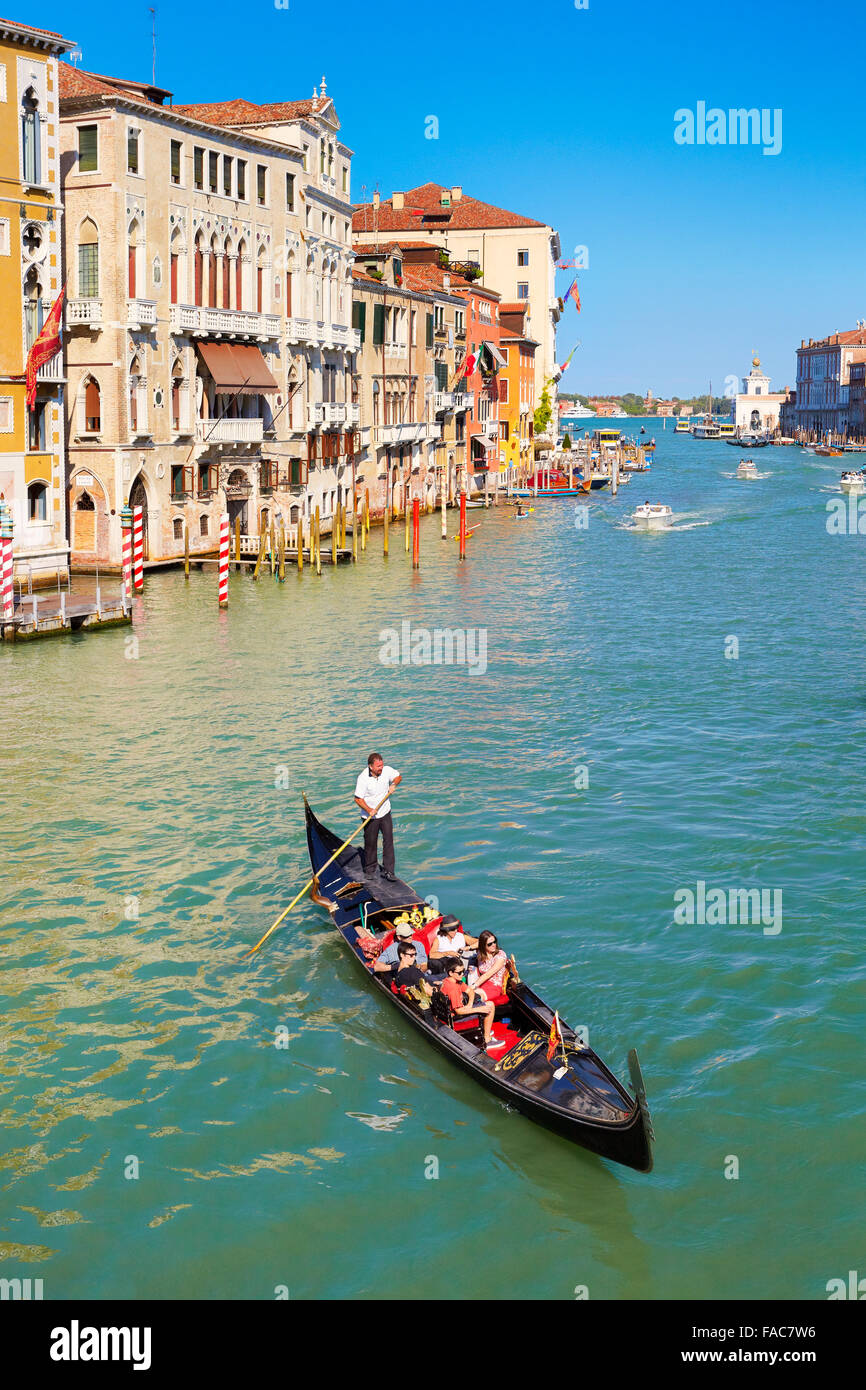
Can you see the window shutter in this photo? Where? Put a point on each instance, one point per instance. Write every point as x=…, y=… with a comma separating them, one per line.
x=441, y=370
x=87, y=149
x=378, y=325
x=359, y=317
x=429, y=330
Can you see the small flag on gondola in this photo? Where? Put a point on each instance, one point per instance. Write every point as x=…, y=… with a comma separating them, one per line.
x=555, y=1038
x=45, y=346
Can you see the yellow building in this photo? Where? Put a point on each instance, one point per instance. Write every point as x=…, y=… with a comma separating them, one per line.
x=516, y=393
x=32, y=453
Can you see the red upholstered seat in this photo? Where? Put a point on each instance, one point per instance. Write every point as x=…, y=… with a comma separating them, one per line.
x=498, y=999
x=463, y=1023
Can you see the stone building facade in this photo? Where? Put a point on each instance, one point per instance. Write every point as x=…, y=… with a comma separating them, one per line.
x=209, y=342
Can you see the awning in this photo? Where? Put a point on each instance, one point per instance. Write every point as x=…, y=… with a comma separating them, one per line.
x=495, y=354
x=238, y=369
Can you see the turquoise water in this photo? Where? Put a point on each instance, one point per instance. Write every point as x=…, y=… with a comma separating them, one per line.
x=152, y=827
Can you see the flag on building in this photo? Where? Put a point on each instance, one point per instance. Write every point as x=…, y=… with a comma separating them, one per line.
x=573, y=293
x=45, y=346
x=566, y=363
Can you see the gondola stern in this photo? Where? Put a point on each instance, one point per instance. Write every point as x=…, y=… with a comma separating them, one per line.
x=642, y=1105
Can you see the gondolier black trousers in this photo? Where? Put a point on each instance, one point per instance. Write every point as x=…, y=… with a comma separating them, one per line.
x=371, y=839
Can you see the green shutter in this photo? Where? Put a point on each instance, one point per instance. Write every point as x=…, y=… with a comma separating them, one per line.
x=441, y=370
x=359, y=318
x=87, y=149
x=378, y=325
x=429, y=330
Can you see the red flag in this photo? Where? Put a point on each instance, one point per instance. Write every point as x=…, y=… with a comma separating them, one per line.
x=46, y=346
x=573, y=293
x=554, y=1038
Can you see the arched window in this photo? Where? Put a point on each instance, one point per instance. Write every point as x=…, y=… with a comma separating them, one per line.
x=239, y=275
x=178, y=528
x=134, y=388
x=227, y=273
x=32, y=305
x=261, y=285
x=88, y=260
x=92, y=406
x=37, y=502
x=203, y=526
x=132, y=260
x=31, y=140
x=174, y=265
x=199, y=269
x=85, y=503
x=178, y=389
x=212, y=274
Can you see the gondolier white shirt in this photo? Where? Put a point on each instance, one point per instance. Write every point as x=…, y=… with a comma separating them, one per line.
x=371, y=789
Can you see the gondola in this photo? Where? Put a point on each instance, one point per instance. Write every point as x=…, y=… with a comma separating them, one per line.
x=574, y=1094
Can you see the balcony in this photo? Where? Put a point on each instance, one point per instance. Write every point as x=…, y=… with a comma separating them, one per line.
x=440, y=331
x=396, y=349
x=335, y=412
x=223, y=323
x=229, y=431
x=462, y=400
x=84, y=313
x=300, y=331
x=353, y=413
x=141, y=313
x=53, y=370
x=442, y=401
x=409, y=433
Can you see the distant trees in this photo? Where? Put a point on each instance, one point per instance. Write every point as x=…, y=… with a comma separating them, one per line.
x=566, y=440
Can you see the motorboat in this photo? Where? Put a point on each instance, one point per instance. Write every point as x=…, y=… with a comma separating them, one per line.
x=652, y=516
x=746, y=469
x=852, y=481
x=682, y=427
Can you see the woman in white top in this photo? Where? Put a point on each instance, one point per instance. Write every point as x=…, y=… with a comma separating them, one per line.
x=451, y=939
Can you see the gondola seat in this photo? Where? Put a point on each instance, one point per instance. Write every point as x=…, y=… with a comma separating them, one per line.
x=461, y=1023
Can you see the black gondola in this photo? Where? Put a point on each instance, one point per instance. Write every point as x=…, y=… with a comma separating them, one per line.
x=574, y=1094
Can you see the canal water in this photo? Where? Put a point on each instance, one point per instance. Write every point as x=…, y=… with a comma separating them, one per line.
x=651, y=713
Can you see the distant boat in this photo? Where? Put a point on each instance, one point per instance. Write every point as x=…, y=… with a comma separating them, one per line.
x=829, y=451
x=746, y=469
x=682, y=427
x=652, y=516
x=852, y=481
x=749, y=441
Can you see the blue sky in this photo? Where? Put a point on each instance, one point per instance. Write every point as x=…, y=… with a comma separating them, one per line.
x=698, y=255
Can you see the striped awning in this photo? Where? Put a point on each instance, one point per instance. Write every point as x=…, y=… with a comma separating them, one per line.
x=495, y=354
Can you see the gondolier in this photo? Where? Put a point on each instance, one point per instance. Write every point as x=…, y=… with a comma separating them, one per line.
x=376, y=781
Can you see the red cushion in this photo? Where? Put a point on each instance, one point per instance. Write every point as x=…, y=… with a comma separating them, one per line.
x=497, y=999
x=461, y=1024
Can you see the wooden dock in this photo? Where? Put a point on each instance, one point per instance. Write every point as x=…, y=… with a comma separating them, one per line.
x=50, y=615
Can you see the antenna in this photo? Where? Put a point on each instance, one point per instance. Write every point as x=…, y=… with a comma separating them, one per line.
x=152, y=9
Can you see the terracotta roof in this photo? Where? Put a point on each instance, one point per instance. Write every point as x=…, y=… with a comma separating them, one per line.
x=17, y=24
x=854, y=335
x=432, y=278
x=468, y=214
x=520, y=307
x=75, y=82
x=369, y=248
x=239, y=111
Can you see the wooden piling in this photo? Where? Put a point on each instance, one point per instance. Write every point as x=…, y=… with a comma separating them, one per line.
x=300, y=543
x=354, y=529
x=282, y=552
x=335, y=536
x=186, y=552
x=385, y=526
x=318, y=542
x=416, y=534
x=237, y=543
x=444, y=500
x=262, y=542
x=272, y=548
x=365, y=520
x=462, y=551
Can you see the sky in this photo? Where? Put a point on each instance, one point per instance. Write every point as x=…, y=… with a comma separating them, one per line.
x=697, y=255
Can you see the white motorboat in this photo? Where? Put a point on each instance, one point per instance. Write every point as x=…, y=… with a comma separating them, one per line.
x=852, y=481
x=746, y=469
x=652, y=516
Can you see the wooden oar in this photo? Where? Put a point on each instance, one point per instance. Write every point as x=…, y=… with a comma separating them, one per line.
x=307, y=886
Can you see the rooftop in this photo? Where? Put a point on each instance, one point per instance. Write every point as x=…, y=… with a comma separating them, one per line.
x=423, y=208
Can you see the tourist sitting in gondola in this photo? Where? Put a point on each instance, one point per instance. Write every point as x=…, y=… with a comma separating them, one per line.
x=389, y=958
x=450, y=941
x=409, y=979
x=487, y=975
x=464, y=1003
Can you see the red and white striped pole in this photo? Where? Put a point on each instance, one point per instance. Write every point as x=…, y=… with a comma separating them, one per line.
x=224, y=562
x=138, y=548
x=6, y=592
x=126, y=540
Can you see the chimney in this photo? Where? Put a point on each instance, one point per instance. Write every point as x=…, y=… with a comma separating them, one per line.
x=456, y=194
x=397, y=201
x=376, y=201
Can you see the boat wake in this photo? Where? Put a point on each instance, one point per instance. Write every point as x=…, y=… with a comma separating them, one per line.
x=754, y=477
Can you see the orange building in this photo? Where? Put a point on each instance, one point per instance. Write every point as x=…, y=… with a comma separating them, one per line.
x=516, y=390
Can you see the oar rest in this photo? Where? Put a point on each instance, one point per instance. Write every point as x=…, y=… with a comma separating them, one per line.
x=464, y=1023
